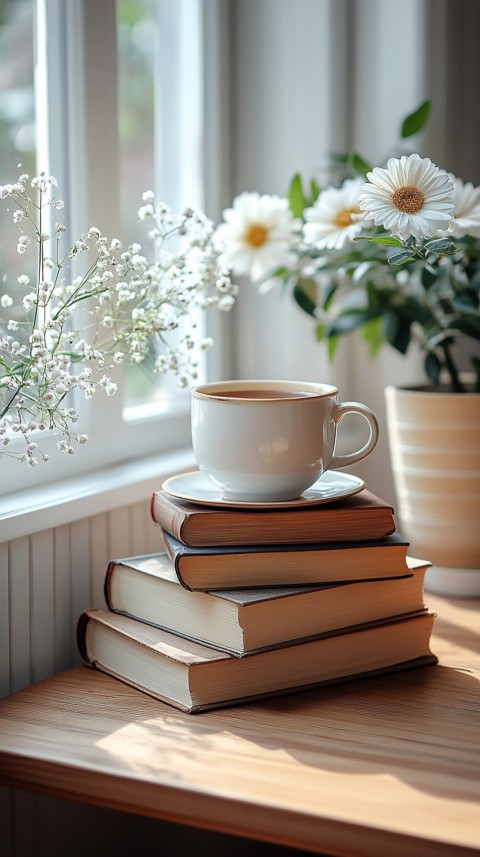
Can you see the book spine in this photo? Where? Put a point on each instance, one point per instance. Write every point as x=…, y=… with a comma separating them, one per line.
x=175, y=559
x=106, y=583
x=81, y=636
x=172, y=520
x=174, y=703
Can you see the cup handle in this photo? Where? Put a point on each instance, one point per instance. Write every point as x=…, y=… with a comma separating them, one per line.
x=351, y=457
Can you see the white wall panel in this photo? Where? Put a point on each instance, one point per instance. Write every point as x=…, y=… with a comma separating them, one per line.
x=138, y=523
x=62, y=598
x=99, y=557
x=154, y=537
x=119, y=531
x=20, y=624
x=46, y=581
x=80, y=575
x=42, y=628
x=4, y=620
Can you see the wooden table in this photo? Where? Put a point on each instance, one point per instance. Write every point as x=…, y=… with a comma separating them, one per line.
x=385, y=766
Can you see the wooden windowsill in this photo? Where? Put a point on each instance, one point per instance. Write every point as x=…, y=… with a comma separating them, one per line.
x=382, y=766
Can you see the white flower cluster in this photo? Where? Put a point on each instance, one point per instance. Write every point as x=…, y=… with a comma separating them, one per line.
x=62, y=335
x=411, y=198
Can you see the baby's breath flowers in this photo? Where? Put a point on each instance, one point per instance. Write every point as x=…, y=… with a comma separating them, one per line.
x=61, y=335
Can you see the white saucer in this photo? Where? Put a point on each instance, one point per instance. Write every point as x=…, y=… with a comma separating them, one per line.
x=196, y=488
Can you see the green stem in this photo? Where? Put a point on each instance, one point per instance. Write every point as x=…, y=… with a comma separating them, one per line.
x=452, y=369
x=7, y=407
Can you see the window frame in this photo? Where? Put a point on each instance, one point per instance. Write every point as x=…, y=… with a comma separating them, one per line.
x=76, y=64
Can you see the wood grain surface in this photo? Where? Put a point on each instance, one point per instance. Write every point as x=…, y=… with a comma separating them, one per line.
x=389, y=765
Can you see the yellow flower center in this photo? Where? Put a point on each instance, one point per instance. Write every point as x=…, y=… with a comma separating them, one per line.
x=255, y=235
x=345, y=217
x=408, y=199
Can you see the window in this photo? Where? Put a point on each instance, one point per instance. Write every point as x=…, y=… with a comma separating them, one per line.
x=17, y=118
x=160, y=137
x=201, y=87
x=118, y=108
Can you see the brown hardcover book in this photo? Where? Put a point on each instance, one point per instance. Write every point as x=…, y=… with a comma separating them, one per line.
x=194, y=677
x=246, y=620
x=361, y=517
x=245, y=566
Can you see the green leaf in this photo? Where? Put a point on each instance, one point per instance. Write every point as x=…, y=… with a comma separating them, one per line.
x=329, y=294
x=469, y=325
x=388, y=240
x=414, y=122
x=396, y=331
x=314, y=189
x=372, y=334
x=476, y=368
x=467, y=301
x=296, y=197
x=349, y=321
x=401, y=258
x=411, y=310
x=390, y=325
x=441, y=247
x=332, y=344
x=332, y=341
x=279, y=273
x=305, y=294
x=428, y=277
x=358, y=164
x=375, y=295
x=320, y=332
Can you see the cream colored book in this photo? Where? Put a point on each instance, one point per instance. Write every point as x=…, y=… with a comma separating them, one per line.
x=245, y=620
x=194, y=677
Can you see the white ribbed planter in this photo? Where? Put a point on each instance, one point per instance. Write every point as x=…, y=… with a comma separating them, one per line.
x=434, y=440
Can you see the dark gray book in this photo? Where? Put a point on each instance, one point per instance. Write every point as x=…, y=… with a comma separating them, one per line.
x=240, y=566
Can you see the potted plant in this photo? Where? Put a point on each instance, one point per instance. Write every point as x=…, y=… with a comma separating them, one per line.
x=394, y=253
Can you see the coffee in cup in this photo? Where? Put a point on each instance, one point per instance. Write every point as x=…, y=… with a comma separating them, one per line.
x=268, y=441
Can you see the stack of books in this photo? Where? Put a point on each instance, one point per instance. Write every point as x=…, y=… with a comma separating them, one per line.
x=243, y=603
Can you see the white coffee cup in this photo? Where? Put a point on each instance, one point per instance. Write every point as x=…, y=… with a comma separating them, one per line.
x=271, y=440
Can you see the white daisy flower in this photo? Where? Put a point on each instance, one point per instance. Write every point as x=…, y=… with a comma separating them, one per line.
x=466, y=212
x=412, y=196
x=257, y=235
x=335, y=218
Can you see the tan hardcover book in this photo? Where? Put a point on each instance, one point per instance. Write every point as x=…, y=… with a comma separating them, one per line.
x=194, y=677
x=363, y=516
x=241, y=621
x=241, y=566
